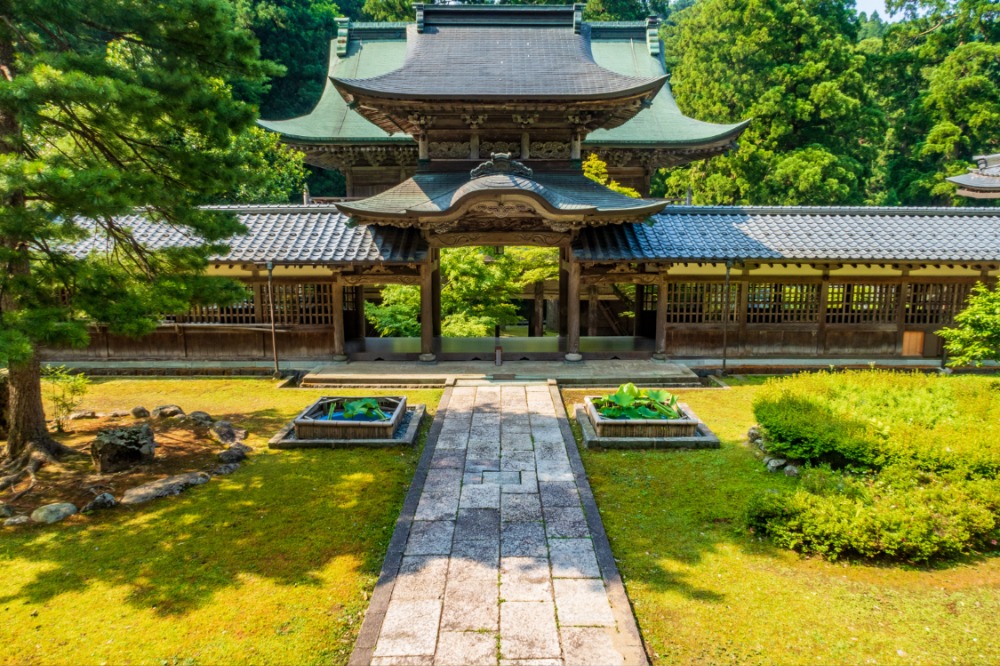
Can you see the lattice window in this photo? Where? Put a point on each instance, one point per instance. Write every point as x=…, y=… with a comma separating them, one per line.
x=861, y=303
x=304, y=304
x=700, y=302
x=649, y=296
x=932, y=304
x=242, y=312
x=782, y=303
x=350, y=300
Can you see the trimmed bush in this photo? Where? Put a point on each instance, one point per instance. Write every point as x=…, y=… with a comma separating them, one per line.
x=924, y=518
x=872, y=419
x=906, y=466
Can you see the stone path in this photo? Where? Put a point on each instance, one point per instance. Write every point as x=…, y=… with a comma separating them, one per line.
x=499, y=564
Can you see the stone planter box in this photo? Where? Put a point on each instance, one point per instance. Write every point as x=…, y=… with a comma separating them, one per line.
x=659, y=428
x=310, y=424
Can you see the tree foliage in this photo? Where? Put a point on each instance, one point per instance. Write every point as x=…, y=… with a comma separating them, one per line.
x=792, y=67
x=107, y=108
x=976, y=335
x=478, y=290
x=937, y=78
x=596, y=170
x=296, y=34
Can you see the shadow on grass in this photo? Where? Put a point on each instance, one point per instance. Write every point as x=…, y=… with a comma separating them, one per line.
x=666, y=511
x=283, y=516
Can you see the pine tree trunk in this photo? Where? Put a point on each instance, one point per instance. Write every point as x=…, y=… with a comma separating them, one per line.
x=27, y=417
x=26, y=428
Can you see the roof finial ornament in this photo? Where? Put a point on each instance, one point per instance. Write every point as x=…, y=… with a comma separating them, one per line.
x=501, y=163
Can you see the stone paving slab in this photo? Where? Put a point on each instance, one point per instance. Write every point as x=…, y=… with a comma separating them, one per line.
x=499, y=556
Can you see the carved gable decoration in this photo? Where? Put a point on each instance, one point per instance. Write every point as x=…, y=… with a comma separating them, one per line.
x=501, y=163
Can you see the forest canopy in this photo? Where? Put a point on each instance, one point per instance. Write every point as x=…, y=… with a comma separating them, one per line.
x=846, y=108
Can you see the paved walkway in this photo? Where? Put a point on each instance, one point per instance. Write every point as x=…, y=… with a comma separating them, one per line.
x=503, y=560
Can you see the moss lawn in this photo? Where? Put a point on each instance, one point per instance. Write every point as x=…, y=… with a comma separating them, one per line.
x=705, y=591
x=271, y=565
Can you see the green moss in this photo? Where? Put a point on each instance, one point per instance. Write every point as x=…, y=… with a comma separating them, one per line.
x=706, y=591
x=273, y=564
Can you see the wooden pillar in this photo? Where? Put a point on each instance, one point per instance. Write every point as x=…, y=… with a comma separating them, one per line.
x=427, y=312
x=359, y=306
x=661, y=319
x=902, y=296
x=538, y=323
x=423, y=148
x=474, y=146
x=592, y=305
x=436, y=290
x=573, y=311
x=824, y=302
x=525, y=146
x=337, y=306
x=640, y=297
x=563, y=291
x=743, y=312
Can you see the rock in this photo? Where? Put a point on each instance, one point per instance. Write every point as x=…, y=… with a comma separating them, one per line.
x=53, y=513
x=172, y=485
x=118, y=414
x=116, y=449
x=754, y=434
x=774, y=464
x=222, y=470
x=224, y=432
x=233, y=454
x=16, y=520
x=791, y=470
x=102, y=501
x=79, y=416
x=165, y=411
x=140, y=412
x=6, y=511
x=201, y=419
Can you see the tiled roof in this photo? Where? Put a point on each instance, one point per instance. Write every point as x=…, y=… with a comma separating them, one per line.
x=694, y=233
x=378, y=48
x=332, y=121
x=285, y=234
x=498, y=62
x=429, y=193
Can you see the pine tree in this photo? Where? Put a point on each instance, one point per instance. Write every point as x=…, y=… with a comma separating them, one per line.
x=106, y=107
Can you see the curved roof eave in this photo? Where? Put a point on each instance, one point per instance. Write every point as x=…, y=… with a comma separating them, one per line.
x=725, y=134
x=354, y=89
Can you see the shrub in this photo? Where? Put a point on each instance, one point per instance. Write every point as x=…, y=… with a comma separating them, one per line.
x=917, y=520
x=66, y=391
x=876, y=418
x=913, y=469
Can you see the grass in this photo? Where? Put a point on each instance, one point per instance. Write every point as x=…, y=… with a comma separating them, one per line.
x=271, y=565
x=707, y=592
